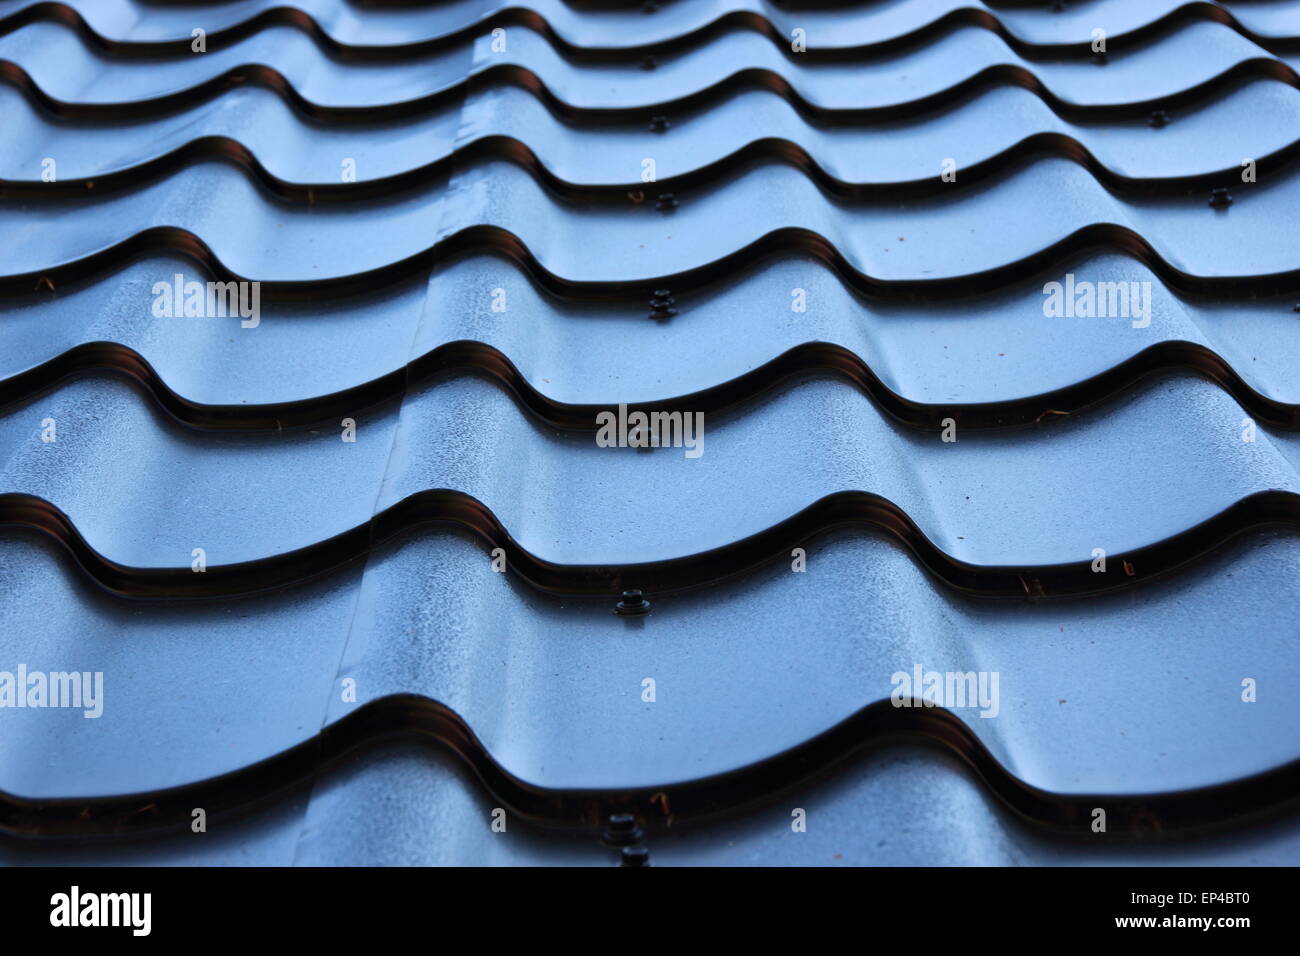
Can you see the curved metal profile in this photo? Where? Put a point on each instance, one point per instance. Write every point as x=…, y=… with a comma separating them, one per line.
x=460, y=512
x=698, y=32
x=802, y=361
x=711, y=175
x=779, y=243
x=751, y=78
x=676, y=803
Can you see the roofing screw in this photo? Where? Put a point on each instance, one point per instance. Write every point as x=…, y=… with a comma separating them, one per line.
x=667, y=202
x=633, y=603
x=1220, y=198
x=1159, y=119
x=649, y=6
x=636, y=856
x=661, y=306
x=648, y=63
x=621, y=830
x=659, y=124
x=1058, y=6
x=1099, y=59
x=662, y=301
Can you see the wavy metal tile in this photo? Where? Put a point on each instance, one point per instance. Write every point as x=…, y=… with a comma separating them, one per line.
x=242, y=497
x=880, y=247
x=1198, y=58
x=345, y=28
x=990, y=134
x=1132, y=694
x=901, y=807
x=351, y=351
x=533, y=675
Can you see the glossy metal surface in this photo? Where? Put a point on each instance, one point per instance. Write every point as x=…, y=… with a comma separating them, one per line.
x=519, y=172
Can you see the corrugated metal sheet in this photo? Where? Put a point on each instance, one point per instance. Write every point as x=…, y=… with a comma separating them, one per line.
x=514, y=177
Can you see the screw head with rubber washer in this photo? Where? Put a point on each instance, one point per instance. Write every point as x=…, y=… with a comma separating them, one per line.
x=633, y=603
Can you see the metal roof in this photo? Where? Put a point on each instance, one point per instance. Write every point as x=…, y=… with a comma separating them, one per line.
x=488, y=179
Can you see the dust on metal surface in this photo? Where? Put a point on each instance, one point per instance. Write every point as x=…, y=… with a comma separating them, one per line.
x=991, y=336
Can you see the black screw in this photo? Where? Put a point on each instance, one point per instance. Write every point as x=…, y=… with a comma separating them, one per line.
x=1220, y=198
x=621, y=830
x=1297, y=307
x=659, y=124
x=661, y=305
x=1159, y=119
x=648, y=63
x=667, y=202
x=649, y=6
x=1058, y=6
x=633, y=603
x=636, y=856
x=1099, y=59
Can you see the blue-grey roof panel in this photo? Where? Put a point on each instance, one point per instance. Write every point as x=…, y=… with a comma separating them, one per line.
x=988, y=350
x=350, y=29
x=364, y=551
x=986, y=134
